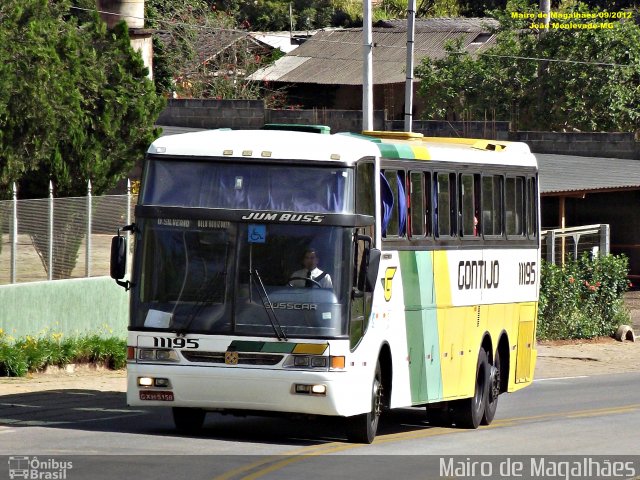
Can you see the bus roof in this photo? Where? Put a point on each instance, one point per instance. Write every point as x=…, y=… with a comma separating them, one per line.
x=409, y=145
x=265, y=144
x=342, y=147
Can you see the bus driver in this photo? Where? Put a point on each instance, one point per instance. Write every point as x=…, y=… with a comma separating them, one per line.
x=311, y=271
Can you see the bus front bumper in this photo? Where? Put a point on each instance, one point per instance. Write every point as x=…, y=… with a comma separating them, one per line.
x=222, y=388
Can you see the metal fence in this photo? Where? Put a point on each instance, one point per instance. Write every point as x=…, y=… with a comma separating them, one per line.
x=57, y=238
x=560, y=244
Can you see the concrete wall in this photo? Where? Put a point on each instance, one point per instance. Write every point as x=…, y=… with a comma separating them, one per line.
x=251, y=114
x=598, y=144
x=85, y=305
x=338, y=120
x=440, y=128
x=204, y=113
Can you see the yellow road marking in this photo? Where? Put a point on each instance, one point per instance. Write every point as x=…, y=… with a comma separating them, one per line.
x=277, y=462
x=299, y=451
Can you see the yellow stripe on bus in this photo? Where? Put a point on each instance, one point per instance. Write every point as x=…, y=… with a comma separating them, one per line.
x=311, y=348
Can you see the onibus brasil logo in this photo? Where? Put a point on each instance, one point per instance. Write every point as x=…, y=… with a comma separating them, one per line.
x=40, y=469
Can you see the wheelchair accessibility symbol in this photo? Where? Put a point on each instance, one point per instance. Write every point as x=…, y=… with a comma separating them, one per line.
x=257, y=233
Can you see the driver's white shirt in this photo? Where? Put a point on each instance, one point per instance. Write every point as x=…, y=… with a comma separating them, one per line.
x=315, y=273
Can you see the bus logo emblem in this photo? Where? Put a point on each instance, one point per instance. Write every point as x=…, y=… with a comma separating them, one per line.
x=231, y=358
x=387, y=282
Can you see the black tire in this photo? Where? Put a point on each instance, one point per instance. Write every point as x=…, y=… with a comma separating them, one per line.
x=362, y=428
x=188, y=420
x=468, y=413
x=494, y=391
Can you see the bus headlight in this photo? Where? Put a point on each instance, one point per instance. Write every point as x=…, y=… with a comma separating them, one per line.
x=306, y=361
x=156, y=354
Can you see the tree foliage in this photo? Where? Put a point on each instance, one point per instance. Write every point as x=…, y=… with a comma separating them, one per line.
x=75, y=103
x=200, y=51
x=538, y=94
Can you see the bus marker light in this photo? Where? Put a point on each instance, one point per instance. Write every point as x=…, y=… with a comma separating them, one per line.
x=337, y=362
x=131, y=353
x=228, y=153
x=319, y=389
x=335, y=156
x=145, y=381
x=247, y=153
x=266, y=153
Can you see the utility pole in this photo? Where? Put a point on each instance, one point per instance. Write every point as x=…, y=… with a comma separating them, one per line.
x=545, y=9
x=367, y=67
x=408, y=89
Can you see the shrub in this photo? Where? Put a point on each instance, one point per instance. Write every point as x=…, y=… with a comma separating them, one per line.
x=583, y=298
x=30, y=354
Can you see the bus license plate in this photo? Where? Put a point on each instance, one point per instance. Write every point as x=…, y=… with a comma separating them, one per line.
x=161, y=396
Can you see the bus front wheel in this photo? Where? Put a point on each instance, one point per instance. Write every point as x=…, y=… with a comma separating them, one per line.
x=468, y=413
x=362, y=428
x=188, y=420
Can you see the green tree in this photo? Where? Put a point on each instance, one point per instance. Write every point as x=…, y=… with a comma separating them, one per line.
x=506, y=84
x=75, y=102
x=75, y=105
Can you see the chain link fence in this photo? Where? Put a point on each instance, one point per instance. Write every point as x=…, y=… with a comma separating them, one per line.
x=59, y=238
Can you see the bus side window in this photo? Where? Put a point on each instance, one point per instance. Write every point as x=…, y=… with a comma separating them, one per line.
x=365, y=188
x=469, y=205
x=514, y=196
x=492, y=207
x=361, y=304
x=419, y=200
x=532, y=208
x=445, y=207
x=397, y=224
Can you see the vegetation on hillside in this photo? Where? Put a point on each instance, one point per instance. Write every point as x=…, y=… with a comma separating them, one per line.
x=565, y=79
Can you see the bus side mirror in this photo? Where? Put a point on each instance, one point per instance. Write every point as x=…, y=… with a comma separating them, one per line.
x=118, y=266
x=118, y=257
x=372, y=268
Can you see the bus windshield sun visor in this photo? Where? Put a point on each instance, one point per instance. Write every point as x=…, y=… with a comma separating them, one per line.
x=194, y=217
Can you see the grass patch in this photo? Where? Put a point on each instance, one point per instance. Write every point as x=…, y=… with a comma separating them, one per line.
x=32, y=354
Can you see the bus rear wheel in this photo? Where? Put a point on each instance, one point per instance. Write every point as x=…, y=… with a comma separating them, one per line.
x=362, y=428
x=468, y=413
x=494, y=391
x=188, y=420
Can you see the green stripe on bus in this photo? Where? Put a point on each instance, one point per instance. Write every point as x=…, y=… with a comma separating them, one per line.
x=245, y=346
x=265, y=347
x=280, y=347
x=388, y=150
x=422, y=326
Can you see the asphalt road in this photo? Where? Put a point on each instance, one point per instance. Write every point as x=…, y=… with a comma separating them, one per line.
x=597, y=415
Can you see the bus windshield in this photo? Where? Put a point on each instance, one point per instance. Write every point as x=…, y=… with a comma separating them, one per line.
x=248, y=186
x=220, y=277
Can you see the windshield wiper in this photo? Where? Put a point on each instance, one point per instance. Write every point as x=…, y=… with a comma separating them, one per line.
x=204, y=298
x=268, y=307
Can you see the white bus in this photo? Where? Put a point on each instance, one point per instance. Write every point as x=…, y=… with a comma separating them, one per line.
x=423, y=256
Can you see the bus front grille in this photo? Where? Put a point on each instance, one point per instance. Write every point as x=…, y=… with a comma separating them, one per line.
x=243, y=358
